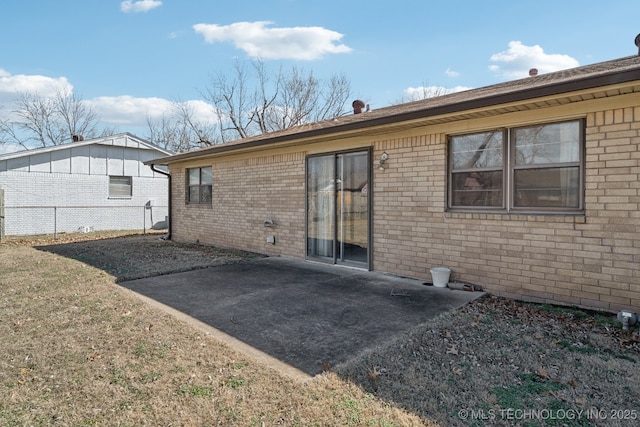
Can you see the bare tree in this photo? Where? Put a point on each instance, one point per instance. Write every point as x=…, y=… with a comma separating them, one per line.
x=10, y=136
x=44, y=121
x=336, y=93
x=199, y=133
x=163, y=133
x=298, y=98
x=232, y=103
x=76, y=116
x=259, y=102
x=263, y=98
x=36, y=117
x=420, y=93
x=180, y=130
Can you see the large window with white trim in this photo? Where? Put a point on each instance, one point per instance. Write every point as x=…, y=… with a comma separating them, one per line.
x=532, y=168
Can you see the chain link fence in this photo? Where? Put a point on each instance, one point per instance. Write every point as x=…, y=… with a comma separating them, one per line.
x=53, y=220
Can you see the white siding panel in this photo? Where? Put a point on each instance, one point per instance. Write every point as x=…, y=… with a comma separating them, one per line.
x=80, y=159
x=131, y=163
x=120, y=141
x=132, y=143
x=98, y=160
x=145, y=155
x=146, y=171
x=61, y=161
x=18, y=164
x=40, y=162
x=115, y=161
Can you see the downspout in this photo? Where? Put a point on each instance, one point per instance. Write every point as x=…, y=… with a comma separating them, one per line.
x=168, y=175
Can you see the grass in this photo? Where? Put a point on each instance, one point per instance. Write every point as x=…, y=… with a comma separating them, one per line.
x=522, y=394
x=78, y=350
x=497, y=361
x=579, y=314
x=198, y=391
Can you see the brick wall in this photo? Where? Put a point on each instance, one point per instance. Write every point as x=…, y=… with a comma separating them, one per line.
x=245, y=192
x=590, y=260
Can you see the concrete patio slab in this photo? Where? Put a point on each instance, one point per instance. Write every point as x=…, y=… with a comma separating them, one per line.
x=306, y=315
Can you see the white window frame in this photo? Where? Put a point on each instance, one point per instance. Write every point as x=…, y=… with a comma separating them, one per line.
x=120, y=187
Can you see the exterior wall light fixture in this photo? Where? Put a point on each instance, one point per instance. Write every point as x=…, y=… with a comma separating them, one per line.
x=383, y=158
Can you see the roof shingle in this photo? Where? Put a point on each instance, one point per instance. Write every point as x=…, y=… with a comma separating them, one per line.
x=585, y=77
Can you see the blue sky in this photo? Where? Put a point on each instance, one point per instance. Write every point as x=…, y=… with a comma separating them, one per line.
x=129, y=59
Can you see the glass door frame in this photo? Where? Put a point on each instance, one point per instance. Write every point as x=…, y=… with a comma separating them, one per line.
x=335, y=253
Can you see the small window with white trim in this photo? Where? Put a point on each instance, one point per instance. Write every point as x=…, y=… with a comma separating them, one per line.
x=120, y=187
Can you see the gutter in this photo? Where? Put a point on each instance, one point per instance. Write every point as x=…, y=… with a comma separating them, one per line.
x=168, y=175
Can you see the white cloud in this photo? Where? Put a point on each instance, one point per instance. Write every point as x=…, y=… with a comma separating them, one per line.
x=125, y=110
x=451, y=73
x=13, y=85
x=422, y=92
x=126, y=113
x=129, y=6
x=518, y=59
x=118, y=111
x=202, y=112
x=42, y=85
x=259, y=41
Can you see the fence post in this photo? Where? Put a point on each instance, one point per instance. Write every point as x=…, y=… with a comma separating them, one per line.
x=144, y=220
x=55, y=222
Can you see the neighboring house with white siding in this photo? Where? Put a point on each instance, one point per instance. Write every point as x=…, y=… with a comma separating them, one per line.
x=97, y=184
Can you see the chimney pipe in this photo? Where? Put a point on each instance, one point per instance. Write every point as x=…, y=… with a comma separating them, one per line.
x=357, y=106
x=533, y=72
x=77, y=138
x=637, y=42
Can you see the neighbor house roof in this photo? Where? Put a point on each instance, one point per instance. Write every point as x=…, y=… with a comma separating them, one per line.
x=562, y=87
x=112, y=140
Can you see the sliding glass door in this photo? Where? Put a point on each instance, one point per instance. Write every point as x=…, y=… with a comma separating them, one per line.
x=338, y=208
x=321, y=201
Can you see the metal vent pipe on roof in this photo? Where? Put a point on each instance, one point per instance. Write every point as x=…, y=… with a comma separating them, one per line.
x=637, y=42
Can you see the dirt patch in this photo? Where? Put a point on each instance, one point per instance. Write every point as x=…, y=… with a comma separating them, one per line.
x=129, y=257
x=77, y=350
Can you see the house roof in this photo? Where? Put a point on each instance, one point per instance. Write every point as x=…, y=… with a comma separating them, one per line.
x=562, y=87
x=105, y=140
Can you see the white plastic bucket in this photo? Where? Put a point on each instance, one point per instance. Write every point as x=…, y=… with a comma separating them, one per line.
x=440, y=276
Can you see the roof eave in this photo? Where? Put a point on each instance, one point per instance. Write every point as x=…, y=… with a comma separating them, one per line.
x=557, y=88
x=92, y=141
